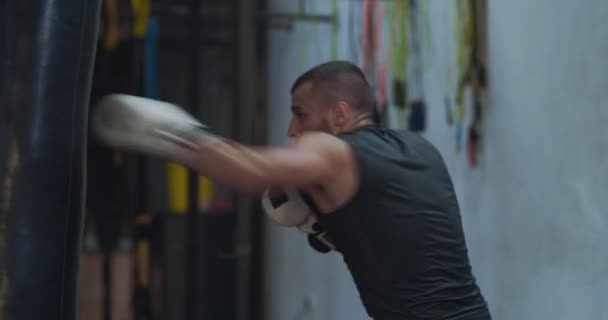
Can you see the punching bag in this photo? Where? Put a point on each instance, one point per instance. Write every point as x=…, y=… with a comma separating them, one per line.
x=47, y=49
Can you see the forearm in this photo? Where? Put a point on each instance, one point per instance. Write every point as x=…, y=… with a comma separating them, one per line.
x=253, y=169
x=243, y=168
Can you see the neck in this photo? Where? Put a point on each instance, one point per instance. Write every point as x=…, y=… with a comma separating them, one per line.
x=363, y=120
x=359, y=121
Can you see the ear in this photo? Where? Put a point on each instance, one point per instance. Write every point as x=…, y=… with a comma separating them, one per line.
x=342, y=113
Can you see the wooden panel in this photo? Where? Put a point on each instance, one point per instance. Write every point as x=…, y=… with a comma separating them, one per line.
x=90, y=291
x=122, y=286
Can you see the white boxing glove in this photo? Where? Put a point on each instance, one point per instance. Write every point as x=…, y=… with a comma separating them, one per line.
x=290, y=209
x=146, y=125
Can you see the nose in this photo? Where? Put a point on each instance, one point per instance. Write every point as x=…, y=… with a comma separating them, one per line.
x=292, y=131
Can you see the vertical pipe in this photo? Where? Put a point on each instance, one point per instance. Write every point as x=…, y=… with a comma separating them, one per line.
x=260, y=129
x=246, y=105
x=47, y=49
x=192, y=47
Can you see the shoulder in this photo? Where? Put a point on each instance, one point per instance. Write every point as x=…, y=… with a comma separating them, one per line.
x=340, y=179
x=329, y=147
x=321, y=141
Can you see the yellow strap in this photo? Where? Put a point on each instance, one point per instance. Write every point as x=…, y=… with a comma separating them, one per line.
x=141, y=13
x=178, y=189
x=110, y=37
x=142, y=249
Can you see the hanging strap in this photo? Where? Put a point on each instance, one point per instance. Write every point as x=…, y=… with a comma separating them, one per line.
x=334, y=30
x=111, y=35
x=397, y=14
x=303, y=52
x=141, y=14
x=366, y=36
x=427, y=32
x=400, y=38
x=463, y=35
x=380, y=71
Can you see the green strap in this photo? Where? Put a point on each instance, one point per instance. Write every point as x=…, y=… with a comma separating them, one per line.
x=400, y=12
x=428, y=36
x=463, y=38
x=396, y=13
x=463, y=33
x=334, y=30
x=303, y=52
x=449, y=73
x=459, y=36
x=315, y=31
x=458, y=31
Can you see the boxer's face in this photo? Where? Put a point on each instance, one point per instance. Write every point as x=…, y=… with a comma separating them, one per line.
x=309, y=114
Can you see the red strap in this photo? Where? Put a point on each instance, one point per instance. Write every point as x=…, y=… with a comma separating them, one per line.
x=381, y=72
x=368, y=7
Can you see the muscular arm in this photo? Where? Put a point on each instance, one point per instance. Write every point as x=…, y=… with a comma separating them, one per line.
x=165, y=130
x=311, y=160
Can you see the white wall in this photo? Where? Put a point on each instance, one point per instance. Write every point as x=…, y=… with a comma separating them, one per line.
x=301, y=283
x=535, y=210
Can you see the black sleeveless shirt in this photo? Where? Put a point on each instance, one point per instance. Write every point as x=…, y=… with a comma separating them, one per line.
x=401, y=235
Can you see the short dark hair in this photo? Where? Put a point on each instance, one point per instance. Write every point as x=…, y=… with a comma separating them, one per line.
x=339, y=80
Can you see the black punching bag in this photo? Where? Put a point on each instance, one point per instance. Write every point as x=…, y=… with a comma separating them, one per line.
x=47, y=49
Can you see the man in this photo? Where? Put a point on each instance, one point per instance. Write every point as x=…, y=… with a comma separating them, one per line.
x=384, y=197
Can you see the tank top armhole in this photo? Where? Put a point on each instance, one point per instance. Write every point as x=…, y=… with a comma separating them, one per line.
x=360, y=171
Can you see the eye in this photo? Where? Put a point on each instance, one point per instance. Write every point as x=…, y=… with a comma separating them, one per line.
x=297, y=113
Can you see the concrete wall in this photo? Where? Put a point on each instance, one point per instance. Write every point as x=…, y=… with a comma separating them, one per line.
x=535, y=210
x=300, y=283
